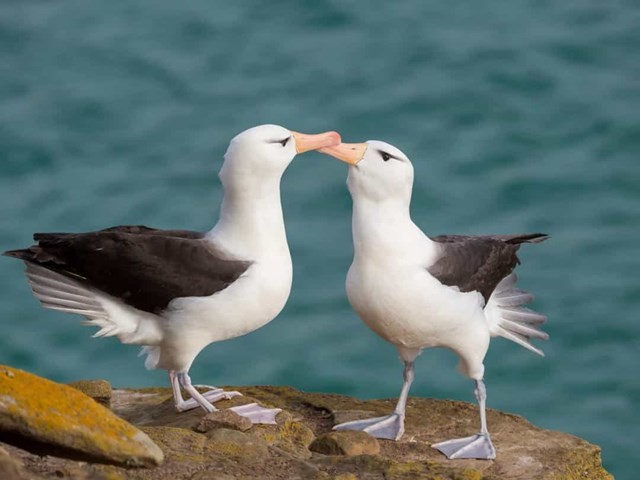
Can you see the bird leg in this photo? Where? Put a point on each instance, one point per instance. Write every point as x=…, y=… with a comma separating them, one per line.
x=252, y=411
x=391, y=426
x=212, y=396
x=476, y=446
x=182, y=379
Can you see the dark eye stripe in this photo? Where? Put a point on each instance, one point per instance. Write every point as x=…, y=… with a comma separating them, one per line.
x=284, y=142
x=387, y=156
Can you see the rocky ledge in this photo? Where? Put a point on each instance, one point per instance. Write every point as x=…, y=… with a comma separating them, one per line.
x=222, y=446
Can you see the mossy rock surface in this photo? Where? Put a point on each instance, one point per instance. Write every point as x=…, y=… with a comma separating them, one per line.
x=47, y=417
x=282, y=451
x=99, y=390
x=346, y=442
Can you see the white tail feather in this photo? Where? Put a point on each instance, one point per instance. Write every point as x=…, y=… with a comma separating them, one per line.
x=57, y=292
x=508, y=318
x=153, y=356
x=105, y=331
x=514, y=298
x=523, y=314
x=524, y=329
x=519, y=339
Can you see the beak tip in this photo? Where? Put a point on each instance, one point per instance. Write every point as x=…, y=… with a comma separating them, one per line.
x=305, y=143
x=350, y=153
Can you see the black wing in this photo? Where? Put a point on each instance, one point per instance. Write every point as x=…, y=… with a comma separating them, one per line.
x=478, y=263
x=133, y=229
x=146, y=268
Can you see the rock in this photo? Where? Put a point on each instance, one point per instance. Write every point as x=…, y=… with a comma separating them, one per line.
x=344, y=416
x=232, y=443
x=223, y=419
x=346, y=476
x=46, y=417
x=346, y=443
x=10, y=468
x=280, y=451
x=288, y=434
x=182, y=446
x=99, y=390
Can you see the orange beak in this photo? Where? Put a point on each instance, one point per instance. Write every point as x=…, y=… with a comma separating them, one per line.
x=306, y=143
x=350, y=153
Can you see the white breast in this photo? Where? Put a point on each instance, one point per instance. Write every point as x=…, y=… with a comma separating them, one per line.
x=249, y=303
x=409, y=308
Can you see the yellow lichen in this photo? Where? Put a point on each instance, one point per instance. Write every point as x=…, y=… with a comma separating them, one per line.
x=48, y=412
x=346, y=476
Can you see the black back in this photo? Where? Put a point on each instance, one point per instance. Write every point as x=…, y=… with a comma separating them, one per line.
x=478, y=263
x=144, y=267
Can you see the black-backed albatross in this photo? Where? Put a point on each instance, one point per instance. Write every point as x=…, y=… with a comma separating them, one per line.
x=174, y=292
x=416, y=292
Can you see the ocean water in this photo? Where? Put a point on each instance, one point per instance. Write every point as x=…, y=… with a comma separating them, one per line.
x=518, y=116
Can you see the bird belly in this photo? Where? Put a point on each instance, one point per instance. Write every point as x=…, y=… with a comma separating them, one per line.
x=252, y=301
x=409, y=308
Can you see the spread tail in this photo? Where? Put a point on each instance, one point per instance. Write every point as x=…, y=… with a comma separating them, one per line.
x=509, y=318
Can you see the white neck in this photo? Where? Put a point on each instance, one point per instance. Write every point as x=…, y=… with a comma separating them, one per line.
x=251, y=221
x=384, y=230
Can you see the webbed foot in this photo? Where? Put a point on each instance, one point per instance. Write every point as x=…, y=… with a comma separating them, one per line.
x=477, y=446
x=257, y=414
x=212, y=396
x=390, y=427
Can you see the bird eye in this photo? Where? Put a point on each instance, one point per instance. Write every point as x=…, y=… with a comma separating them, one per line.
x=385, y=156
x=285, y=141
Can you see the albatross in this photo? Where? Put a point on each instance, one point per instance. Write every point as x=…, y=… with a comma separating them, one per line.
x=416, y=291
x=173, y=291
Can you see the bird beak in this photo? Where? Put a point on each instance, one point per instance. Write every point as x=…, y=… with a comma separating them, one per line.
x=305, y=142
x=350, y=153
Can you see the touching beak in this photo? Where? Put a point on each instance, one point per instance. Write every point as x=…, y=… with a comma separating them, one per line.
x=350, y=153
x=305, y=142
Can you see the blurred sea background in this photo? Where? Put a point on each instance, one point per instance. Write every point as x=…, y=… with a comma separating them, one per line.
x=519, y=116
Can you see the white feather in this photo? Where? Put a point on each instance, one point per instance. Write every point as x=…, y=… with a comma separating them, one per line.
x=508, y=318
x=523, y=314
x=114, y=318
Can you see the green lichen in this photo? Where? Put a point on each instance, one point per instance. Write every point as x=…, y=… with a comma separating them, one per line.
x=581, y=464
x=405, y=469
x=99, y=390
x=470, y=475
x=231, y=443
x=179, y=443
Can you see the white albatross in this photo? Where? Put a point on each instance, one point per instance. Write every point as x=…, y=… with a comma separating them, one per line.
x=174, y=292
x=416, y=292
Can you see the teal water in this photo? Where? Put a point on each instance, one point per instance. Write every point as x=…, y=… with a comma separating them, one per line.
x=519, y=116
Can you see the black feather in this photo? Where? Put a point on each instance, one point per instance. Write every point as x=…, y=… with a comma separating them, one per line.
x=478, y=263
x=146, y=268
